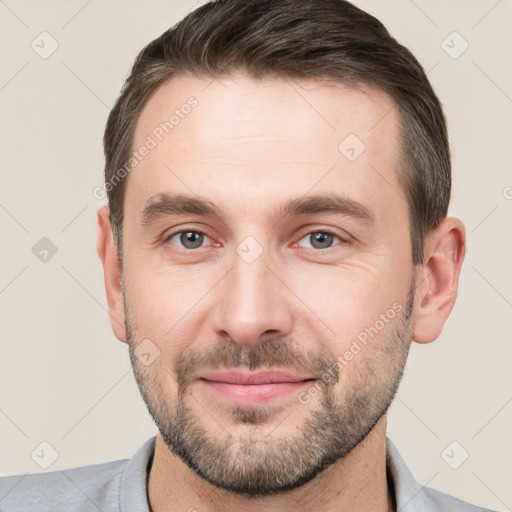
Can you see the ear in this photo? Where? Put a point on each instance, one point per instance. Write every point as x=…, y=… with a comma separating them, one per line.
x=112, y=271
x=438, y=279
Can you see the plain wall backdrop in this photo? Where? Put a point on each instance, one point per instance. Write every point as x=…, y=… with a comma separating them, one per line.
x=65, y=379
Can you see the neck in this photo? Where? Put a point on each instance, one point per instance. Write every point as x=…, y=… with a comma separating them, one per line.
x=357, y=482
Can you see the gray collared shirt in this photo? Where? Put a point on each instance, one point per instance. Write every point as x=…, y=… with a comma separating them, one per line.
x=121, y=486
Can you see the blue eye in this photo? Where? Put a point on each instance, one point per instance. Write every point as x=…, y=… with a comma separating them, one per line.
x=189, y=239
x=320, y=239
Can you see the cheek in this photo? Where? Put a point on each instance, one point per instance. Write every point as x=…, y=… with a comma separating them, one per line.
x=346, y=303
x=162, y=299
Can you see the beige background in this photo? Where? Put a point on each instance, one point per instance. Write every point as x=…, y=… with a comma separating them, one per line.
x=66, y=380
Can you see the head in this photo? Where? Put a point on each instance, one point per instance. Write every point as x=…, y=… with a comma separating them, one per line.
x=278, y=179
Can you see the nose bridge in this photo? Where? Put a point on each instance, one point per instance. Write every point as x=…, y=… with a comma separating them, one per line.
x=251, y=302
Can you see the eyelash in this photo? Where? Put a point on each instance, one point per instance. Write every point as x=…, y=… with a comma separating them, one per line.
x=327, y=231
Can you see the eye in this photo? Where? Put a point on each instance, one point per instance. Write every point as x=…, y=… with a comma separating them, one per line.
x=192, y=239
x=189, y=239
x=320, y=239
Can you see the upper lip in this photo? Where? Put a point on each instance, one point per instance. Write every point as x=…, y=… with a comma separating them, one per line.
x=262, y=377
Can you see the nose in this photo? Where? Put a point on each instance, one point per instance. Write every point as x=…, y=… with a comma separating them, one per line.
x=252, y=303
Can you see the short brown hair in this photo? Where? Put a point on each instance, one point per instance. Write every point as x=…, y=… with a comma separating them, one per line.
x=310, y=39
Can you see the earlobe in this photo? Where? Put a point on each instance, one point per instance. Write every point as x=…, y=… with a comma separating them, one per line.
x=437, y=282
x=112, y=274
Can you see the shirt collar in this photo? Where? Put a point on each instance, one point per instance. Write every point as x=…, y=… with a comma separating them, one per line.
x=409, y=494
x=134, y=483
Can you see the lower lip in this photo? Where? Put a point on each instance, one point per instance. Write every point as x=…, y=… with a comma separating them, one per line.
x=250, y=394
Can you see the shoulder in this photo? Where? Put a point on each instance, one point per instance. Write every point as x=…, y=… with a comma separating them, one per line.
x=410, y=496
x=446, y=502
x=95, y=487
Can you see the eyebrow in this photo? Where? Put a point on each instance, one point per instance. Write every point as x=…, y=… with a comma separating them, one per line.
x=164, y=204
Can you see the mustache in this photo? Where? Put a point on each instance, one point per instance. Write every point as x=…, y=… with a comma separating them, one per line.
x=268, y=354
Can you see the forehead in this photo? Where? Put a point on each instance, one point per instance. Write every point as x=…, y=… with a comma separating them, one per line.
x=273, y=103
x=239, y=139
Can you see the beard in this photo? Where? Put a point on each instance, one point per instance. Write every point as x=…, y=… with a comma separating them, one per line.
x=347, y=409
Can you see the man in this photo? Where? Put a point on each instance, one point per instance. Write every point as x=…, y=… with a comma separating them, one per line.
x=278, y=176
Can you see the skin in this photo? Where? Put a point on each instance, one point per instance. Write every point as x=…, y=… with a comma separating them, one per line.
x=248, y=146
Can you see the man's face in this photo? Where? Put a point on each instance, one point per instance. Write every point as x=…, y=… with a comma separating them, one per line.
x=269, y=279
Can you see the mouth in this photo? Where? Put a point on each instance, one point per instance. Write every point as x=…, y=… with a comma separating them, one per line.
x=253, y=388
